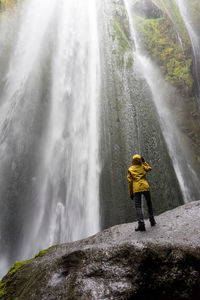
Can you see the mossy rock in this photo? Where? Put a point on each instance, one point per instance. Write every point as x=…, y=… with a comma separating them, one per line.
x=11, y=278
x=5, y=283
x=45, y=251
x=160, y=41
x=119, y=31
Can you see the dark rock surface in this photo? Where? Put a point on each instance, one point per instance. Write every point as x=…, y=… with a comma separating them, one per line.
x=118, y=263
x=147, y=9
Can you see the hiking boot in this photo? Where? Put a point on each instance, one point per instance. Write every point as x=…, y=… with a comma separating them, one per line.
x=152, y=221
x=141, y=227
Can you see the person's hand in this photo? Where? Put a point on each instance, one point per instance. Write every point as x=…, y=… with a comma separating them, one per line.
x=142, y=159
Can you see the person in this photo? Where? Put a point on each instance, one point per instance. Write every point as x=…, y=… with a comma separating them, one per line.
x=138, y=185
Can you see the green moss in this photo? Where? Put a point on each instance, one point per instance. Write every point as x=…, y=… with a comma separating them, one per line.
x=43, y=252
x=5, y=283
x=11, y=277
x=172, y=12
x=123, y=44
x=120, y=37
x=162, y=6
x=166, y=41
x=2, y=290
x=17, y=266
x=160, y=41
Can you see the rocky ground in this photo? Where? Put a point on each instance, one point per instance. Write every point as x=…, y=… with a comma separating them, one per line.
x=162, y=263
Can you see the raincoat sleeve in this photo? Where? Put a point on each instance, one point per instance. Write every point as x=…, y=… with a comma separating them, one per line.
x=146, y=166
x=130, y=183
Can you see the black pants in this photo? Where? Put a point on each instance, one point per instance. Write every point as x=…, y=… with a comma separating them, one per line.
x=138, y=206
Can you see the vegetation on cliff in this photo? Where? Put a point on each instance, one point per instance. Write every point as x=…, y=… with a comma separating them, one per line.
x=170, y=50
x=119, y=31
x=162, y=35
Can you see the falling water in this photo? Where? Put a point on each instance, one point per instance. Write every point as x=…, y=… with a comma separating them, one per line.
x=161, y=91
x=129, y=124
x=73, y=109
x=185, y=11
x=49, y=129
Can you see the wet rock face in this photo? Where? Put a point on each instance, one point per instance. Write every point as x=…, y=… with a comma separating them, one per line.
x=128, y=272
x=162, y=263
x=146, y=9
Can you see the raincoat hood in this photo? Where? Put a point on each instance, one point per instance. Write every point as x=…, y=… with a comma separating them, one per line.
x=137, y=159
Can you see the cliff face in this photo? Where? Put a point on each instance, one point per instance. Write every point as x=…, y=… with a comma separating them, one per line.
x=118, y=263
x=129, y=120
x=163, y=36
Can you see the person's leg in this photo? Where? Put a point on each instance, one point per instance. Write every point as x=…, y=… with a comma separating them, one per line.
x=139, y=213
x=147, y=196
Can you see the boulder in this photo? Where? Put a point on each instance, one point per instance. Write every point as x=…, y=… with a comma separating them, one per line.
x=118, y=263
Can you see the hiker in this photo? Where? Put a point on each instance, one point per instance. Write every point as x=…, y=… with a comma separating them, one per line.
x=138, y=185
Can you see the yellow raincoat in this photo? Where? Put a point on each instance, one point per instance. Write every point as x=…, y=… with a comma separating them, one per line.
x=136, y=176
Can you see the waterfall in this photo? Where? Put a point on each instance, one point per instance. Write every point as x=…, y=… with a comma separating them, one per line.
x=161, y=92
x=49, y=172
x=78, y=97
x=129, y=124
x=185, y=11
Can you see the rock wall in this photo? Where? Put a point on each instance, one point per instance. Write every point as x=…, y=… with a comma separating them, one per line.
x=130, y=123
x=164, y=37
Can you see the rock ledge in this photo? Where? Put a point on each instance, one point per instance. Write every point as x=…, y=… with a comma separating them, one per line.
x=162, y=263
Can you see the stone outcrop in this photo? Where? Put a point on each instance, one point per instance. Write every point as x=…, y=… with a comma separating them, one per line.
x=118, y=263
